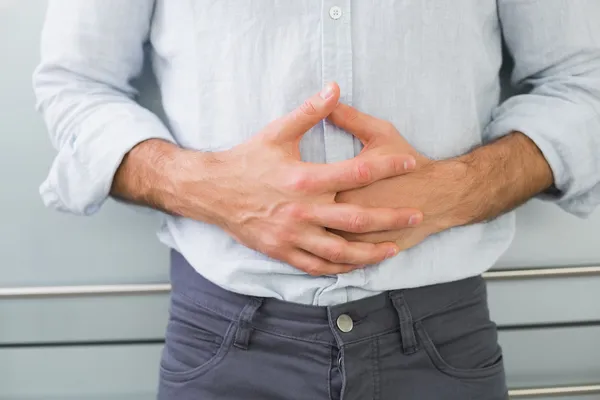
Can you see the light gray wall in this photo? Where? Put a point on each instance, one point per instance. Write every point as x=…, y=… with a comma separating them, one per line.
x=39, y=246
x=118, y=245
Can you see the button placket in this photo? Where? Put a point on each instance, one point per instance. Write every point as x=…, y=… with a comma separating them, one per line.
x=337, y=66
x=336, y=50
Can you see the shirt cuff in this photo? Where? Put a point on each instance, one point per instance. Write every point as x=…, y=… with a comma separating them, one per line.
x=569, y=144
x=82, y=173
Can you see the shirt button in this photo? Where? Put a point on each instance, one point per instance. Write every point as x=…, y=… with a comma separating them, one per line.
x=335, y=12
x=344, y=323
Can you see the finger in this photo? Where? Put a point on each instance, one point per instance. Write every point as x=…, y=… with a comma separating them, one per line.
x=337, y=250
x=316, y=266
x=364, y=126
x=295, y=124
x=357, y=219
x=353, y=173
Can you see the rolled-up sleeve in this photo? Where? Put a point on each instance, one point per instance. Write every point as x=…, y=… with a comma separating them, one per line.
x=90, y=52
x=555, y=45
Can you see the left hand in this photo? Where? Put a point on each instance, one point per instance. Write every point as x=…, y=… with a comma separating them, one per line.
x=433, y=189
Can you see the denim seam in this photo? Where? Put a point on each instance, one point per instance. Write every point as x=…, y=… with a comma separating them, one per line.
x=232, y=318
x=200, y=370
x=267, y=329
x=441, y=365
x=375, y=367
x=329, y=373
x=341, y=345
x=446, y=306
x=280, y=334
x=375, y=335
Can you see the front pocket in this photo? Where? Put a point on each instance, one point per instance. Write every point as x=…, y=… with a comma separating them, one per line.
x=461, y=340
x=196, y=340
x=496, y=366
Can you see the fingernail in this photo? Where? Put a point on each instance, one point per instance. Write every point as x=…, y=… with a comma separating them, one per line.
x=414, y=219
x=410, y=164
x=391, y=253
x=327, y=91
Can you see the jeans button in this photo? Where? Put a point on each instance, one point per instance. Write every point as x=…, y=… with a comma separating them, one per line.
x=344, y=323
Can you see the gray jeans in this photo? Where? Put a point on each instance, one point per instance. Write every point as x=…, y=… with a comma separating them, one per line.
x=429, y=343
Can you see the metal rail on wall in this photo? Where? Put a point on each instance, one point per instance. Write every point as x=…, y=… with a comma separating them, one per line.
x=554, y=391
x=541, y=273
x=150, y=288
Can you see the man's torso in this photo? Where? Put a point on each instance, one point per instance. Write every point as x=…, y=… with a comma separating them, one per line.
x=227, y=68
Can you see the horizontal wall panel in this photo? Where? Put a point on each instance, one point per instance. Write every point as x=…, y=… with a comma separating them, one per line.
x=552, y=357
x=83, y=318
x=532, y=301
x=548, y=236
x=80, y=373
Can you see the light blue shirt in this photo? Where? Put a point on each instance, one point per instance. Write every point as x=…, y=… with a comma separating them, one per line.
x=226, y=68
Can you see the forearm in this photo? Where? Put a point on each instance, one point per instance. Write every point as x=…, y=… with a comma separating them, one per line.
x=145, y=176
x=163, y=176
x=499, y=177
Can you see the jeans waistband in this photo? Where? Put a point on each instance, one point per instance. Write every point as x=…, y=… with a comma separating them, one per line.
x=372, y=316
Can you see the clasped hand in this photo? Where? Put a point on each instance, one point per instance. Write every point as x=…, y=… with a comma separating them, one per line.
x=323, y=219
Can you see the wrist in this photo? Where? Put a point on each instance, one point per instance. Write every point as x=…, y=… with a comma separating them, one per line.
x=161, y=175
x=454, y=184
x=194, y=184
x=146, y=174
x=502, y=176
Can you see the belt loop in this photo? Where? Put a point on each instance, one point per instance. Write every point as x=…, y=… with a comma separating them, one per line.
x=407, y=331
x=244, y=328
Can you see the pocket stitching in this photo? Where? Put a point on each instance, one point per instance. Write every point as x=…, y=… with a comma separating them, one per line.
x=481, y=286
x=440, y=364
x=196, y=372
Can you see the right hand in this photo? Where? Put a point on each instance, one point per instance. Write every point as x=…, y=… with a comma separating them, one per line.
x=265, y=197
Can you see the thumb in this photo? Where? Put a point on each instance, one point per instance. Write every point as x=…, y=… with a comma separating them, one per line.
x=316, y=108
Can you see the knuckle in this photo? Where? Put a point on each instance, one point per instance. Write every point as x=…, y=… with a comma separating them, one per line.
x=359, y=222
x=362, y=173
x=308, y=108
x=272, y=134
x=295, y=211
x=350, y=114
x=334, y=253
x=316, y=268
x=286, y=236
x=299, y=182
x=283, y=232
x=271, y=244
x=269, y=248
x=388, y=127
x=401, y=222
x=396, y=164
x=276, y=254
